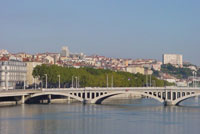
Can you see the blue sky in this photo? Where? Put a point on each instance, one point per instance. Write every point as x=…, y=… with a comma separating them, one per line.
x=114, y=28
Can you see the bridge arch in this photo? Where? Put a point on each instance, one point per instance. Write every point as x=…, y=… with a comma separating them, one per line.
x=179, y=100
x=54, y=93
x=98, y=100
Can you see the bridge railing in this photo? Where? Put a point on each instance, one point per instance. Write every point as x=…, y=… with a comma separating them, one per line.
x=105, y=88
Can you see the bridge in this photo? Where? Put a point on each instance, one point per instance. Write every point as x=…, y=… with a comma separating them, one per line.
x=165, y=95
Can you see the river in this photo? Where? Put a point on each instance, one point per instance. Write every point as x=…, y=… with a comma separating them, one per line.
x=139, y=116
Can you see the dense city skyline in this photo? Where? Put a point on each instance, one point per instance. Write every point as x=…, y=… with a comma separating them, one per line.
x=131, y=29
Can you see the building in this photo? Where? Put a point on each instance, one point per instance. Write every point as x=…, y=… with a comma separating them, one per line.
x=3, y=52
x=174, y=59
x=65, y=52
x=157, y=66
x=12, y=74
x=135, y=69
x=29, y=76
x=148, y=72
x=48, y=60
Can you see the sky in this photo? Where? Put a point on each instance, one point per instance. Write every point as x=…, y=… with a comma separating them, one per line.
x=113, y=28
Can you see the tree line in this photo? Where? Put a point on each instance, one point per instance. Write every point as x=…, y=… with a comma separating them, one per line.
x=90, y=77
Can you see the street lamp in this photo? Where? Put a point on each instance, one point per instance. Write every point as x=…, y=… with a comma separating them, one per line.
x=35, y=82
x=107, y=80
x=46, y=80
x=193, y=77
x=6, y=77
x=24, y=82
x=112, y=81
x=150, y=80
x=72, y=81
x=76, y=81
x=59, y=81
x=146, y=80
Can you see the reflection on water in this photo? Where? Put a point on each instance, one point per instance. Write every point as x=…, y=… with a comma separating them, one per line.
x=115, y=117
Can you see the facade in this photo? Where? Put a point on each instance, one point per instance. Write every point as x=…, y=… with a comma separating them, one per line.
x=135, y=69
x=65, y=52
x=3, y=52
x=29, y=76
x=48, y=60
x=157, y=66
x=12, y=74
x=174, y=59
x=148, y=72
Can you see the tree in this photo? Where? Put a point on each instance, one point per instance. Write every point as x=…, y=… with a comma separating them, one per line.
x=90, y=77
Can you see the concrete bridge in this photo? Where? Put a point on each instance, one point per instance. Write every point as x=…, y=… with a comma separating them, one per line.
x=165, y=95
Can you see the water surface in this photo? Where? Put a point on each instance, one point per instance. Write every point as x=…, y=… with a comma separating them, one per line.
x=141, y=116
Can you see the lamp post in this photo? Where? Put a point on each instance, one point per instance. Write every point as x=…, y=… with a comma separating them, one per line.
x=112, y=81
x=107, y=80
x=72, y=81
x=150, y=80
x=46, y=80
x=58, y=81
x=193, y=78
x=6, y=83
x=146, y=80
x=154, y=83
x=24, y=82
x=35, y=82
x=76, y=81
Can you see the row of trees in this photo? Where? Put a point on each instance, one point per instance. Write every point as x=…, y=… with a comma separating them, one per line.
x=89, y=77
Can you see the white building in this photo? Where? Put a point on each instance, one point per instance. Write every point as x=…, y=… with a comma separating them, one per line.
x=12, y=74
x=65, y=52
x=3, y=52
x=174, y=59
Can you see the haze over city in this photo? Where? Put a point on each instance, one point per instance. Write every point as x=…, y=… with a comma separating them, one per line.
x=131, y=29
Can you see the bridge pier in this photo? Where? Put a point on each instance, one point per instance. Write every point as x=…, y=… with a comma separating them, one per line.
x=68, y=99
x=87, y=102
x=23, y=99
x=168, y=103
x=171, y=95
x=49, y=98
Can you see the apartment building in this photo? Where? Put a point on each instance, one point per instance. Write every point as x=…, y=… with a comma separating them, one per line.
x=12, y=74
